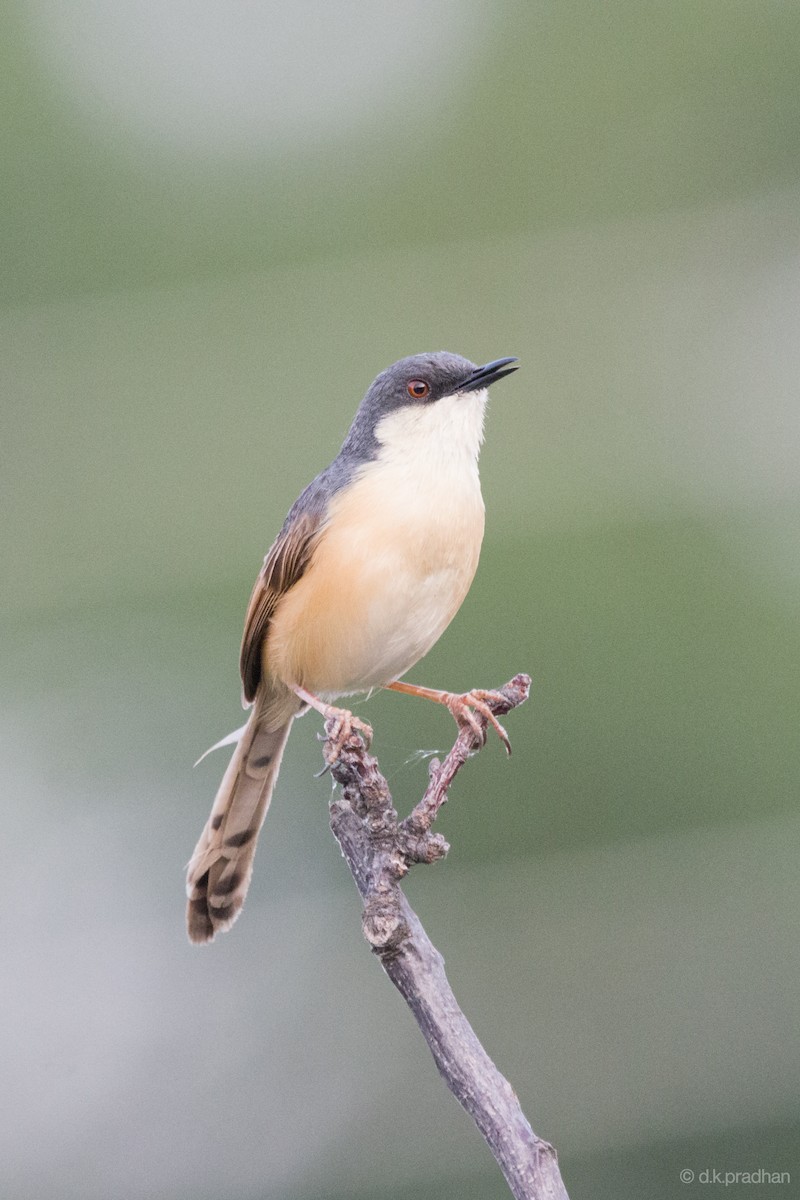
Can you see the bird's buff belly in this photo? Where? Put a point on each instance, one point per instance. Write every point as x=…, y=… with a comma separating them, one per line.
x=373, y=601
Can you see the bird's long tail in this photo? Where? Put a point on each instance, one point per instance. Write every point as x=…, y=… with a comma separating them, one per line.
x=219, y=871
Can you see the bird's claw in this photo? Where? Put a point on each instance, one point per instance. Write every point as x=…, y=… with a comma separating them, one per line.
x=340, y=724
x=461, y=707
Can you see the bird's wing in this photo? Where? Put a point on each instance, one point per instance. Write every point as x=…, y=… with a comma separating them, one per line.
x=287, y=560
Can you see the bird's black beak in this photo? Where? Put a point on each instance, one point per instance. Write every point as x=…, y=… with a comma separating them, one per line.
x=482, y=377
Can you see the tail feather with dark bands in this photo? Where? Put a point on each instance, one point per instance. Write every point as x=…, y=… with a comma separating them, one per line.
x=219, y=871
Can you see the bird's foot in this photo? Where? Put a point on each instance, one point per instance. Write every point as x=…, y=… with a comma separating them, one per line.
x=461, y=706
x=340, y=724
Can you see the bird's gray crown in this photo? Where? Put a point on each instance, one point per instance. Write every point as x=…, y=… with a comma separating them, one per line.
x=442, y=372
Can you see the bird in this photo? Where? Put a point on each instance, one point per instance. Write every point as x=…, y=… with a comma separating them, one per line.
x=371, y=565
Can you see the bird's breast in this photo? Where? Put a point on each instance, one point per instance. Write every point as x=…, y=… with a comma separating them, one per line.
x=397, y=556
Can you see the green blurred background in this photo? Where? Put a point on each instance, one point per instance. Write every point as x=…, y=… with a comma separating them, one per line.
x=218, y=222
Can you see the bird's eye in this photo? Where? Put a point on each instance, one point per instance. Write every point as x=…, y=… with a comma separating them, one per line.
x=418, y=388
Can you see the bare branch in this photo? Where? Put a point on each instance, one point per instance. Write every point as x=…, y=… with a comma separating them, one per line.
x=379, y=850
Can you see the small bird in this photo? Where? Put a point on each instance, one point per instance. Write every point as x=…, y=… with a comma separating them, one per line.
x=370, y=567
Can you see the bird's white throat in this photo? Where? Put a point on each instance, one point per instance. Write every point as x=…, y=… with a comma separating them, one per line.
x=444, y=436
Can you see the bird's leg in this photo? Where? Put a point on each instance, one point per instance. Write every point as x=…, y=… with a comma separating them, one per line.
x=460, y=706
x=344, y=722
